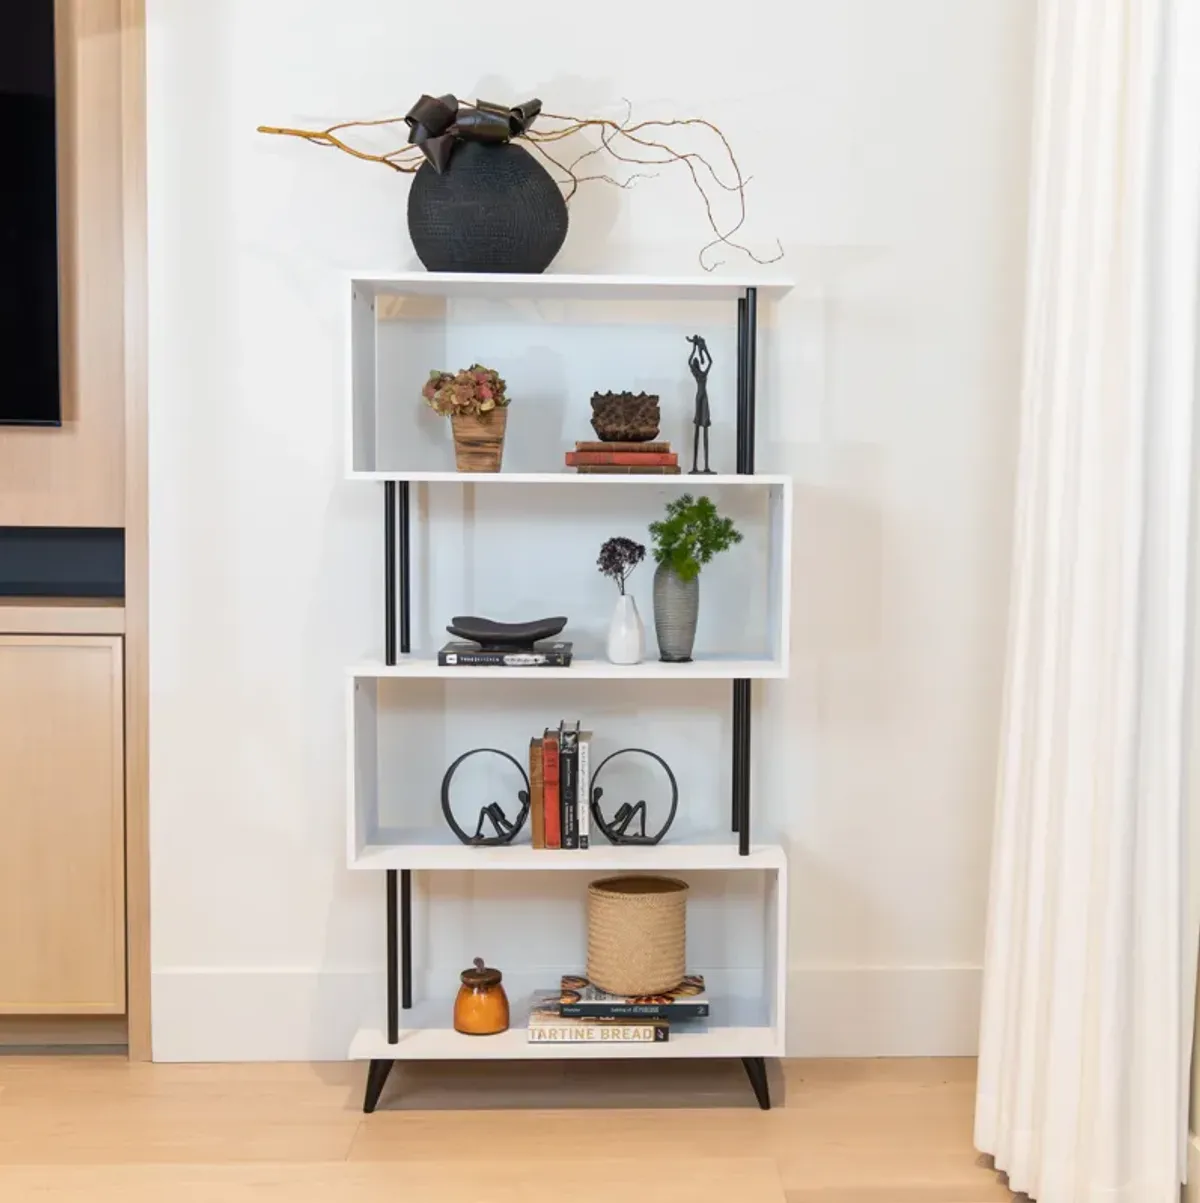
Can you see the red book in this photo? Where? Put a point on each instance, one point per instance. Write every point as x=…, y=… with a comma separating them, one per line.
x=631, y=458
x=552, y=813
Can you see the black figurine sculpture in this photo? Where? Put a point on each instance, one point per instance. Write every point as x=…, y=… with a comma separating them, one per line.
x=700, y=361
x=628, y=824
x=504, y=829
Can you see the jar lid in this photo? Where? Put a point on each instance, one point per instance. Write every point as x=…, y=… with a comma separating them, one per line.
x=481, y=975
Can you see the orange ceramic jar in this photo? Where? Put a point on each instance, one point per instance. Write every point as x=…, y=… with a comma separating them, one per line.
x=481, y=1008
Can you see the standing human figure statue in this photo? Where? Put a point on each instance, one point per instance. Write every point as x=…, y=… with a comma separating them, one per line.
x=700, y=361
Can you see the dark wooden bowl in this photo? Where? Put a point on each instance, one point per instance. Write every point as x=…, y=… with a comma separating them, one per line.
x=504, y=634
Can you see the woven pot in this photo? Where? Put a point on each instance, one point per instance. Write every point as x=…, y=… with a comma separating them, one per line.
x=637, y=934
x=676, y=609
x=494, y=209
x=479, y=440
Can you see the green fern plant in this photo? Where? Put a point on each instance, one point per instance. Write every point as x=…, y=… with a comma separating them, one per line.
x=690, y=535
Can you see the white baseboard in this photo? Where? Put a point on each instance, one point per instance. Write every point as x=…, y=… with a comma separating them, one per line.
x=905, y=1011
x=311, y=1015
x=1191, y=1192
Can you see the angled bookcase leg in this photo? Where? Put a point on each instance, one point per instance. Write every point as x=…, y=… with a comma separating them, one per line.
x=756, y=1071
x=377, y=1075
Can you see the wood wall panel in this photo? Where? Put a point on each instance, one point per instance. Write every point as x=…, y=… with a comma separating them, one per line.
x=62, y=828
x=74, y=475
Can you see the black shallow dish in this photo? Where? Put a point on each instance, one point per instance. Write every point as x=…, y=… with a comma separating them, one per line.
x=504, y=634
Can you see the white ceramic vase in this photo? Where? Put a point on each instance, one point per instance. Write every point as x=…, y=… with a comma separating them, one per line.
x=626, y=635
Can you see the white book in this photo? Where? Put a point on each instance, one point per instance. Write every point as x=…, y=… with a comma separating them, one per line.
x=584, y=791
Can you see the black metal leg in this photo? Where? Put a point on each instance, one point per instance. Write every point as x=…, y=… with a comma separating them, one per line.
x=405, y=573
x=406, y=939
x=756, y=1071
x=393, y=972
x=377, y=1075
x=389, y=571
x=741, y=763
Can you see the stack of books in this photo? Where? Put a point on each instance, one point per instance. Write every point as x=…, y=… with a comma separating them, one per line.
x=549, y=653
x=580, y=1011
x=560, y=782
x=650, y=459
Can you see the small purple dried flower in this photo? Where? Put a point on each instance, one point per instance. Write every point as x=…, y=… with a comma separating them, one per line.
x=618, y=558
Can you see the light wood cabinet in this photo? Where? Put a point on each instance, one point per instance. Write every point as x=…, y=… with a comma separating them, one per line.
x=62, y=871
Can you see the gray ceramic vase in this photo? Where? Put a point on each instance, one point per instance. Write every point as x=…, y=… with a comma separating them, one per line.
x=676, y=608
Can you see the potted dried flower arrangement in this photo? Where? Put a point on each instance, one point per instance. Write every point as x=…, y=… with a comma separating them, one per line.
x=626, y=636
x=476, y=403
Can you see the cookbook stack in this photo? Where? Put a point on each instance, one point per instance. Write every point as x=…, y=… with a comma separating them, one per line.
x=580, y=1012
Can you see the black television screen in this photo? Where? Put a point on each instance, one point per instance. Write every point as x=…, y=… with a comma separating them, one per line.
x=29, y=375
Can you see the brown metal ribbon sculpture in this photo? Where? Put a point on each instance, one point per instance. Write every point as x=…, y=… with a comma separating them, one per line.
x=437, y=123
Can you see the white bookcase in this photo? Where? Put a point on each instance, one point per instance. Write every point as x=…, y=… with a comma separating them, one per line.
x=476, y=538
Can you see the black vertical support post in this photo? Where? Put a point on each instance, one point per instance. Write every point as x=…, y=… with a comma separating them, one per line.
x=405, y=573
x=738, y=741
x=393, y=975
x=741, y=762
x=742, y=359
x=751, y=338
x=406, y=938
x=746, y=384
x=389, y=571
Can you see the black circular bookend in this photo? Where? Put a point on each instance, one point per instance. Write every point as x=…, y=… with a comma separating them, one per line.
x=631, y=814
x=505, y=829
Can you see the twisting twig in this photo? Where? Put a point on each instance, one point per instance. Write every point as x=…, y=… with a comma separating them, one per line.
x=639, y=135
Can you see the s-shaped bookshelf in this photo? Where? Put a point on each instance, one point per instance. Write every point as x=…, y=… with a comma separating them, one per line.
x=393, y=823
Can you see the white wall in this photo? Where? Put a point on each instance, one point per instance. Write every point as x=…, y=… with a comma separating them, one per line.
x=897, y=132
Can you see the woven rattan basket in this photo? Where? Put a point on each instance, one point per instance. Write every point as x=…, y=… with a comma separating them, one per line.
x=637, y=934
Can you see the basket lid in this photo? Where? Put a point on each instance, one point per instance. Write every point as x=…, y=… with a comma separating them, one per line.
x=480, y=975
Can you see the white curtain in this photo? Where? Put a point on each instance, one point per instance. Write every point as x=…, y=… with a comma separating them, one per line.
x=1088, y=976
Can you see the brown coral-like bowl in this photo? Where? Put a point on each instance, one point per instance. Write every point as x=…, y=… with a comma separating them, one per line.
x=625, y=417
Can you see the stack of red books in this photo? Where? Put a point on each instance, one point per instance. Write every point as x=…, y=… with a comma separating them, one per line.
x=630, y=459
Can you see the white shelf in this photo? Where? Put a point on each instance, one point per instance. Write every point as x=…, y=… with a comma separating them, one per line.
x=703, y=668
x=440, y=853
x=571, y=478
x=565, y=286
x=429, y=1036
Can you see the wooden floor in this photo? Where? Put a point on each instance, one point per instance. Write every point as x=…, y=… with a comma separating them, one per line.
x=98, y=1129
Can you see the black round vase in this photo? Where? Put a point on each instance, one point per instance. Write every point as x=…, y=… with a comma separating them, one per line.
x=494, y=209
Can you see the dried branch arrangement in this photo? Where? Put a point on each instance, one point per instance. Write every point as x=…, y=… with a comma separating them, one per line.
x=564, y=146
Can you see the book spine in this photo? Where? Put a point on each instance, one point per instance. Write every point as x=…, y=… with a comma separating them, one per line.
x=553, y=820
x=568, y=766
x=635, y=1010
x=484, y=659
x=626, y=470
x=655, y=1032
x=647, y=459
x=584, y=790
x=647, y=448
x=537, y=805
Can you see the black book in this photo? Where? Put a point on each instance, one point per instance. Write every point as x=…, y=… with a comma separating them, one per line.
x=568, y=778
x=462, y=653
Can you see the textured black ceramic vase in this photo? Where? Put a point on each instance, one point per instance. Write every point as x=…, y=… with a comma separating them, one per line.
x=495, y=209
